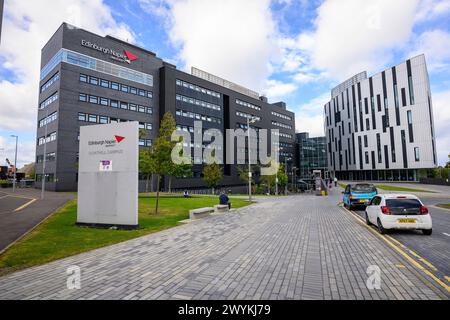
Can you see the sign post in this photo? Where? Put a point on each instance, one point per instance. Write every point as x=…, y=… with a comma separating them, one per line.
x=108, y=175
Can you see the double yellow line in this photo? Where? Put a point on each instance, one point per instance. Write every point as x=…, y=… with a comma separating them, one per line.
x=397, y=246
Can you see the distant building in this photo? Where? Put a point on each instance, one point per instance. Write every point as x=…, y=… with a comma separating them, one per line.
x=382, y=127
x=89, y=79
x=311, y=155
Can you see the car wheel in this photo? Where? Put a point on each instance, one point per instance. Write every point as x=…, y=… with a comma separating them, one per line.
x=427, y=232
x=367, y=219
x=381, y=229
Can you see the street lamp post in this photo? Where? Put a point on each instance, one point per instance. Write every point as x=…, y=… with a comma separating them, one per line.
x=15, y=163
x=249, y=120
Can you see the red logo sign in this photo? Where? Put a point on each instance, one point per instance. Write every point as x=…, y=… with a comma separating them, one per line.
x=119, y=139
x=130, y=56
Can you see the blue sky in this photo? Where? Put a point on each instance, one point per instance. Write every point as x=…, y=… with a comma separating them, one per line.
x=290, y=50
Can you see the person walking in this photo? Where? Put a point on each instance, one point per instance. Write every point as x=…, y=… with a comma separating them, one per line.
x=335, y=182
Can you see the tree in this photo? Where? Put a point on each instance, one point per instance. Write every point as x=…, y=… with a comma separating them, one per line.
x=448, y=163
x=161, y=151
x=212, y=174
x=145, y=165
x=179, y=171
x=243, y=173
x=282, y=177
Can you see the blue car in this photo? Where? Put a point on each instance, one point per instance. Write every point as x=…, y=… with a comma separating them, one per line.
x=358, y=194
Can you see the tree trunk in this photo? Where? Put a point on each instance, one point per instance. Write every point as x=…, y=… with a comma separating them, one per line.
x=146, y=183
x=170, y=184
x=151, y=183
x=158, y=179
x=212, y=189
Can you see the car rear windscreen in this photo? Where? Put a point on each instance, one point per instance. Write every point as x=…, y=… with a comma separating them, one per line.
x=363, y=188
x=404, y=206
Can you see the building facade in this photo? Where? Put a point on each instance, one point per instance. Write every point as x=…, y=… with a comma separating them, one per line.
x=381, y=127
x=311, y=156
x=88, y=79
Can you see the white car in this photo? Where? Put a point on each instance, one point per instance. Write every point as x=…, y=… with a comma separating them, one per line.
x=398, y=211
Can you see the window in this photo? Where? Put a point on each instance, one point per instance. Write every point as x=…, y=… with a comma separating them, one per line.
x=194, y=87
x=367, y=157
x=81, y=116
x=93, y=81
x=417, y=154
x=141, y=142
x=82, y=97
x=104, y=101
x=83, y=78
x=367, y=124
x=133, y=107
x=49, y=83
x=150, y=110
x=51, y=156
x=198, y=102
x=104, y=83
x=141, y=109
x=133, y=90
x=49, y=101
x=124, y=105
x=91, y=63
x=409, y=116
x=142, y=93
x=114, y=103
x=103, y=120
x=52, y=117
x=148, y=126
x=366, y=143
x=114, y=86
x=403, y=97
x=124, y=88
x=141, y=125
x=93, y=99
x=92, y=118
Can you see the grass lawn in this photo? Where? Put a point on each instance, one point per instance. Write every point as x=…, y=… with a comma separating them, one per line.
x=387, y=187
x=58, y=237
x=443, y=205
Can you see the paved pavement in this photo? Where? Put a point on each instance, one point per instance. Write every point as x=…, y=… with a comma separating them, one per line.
x=14, y=224
x=299, y=247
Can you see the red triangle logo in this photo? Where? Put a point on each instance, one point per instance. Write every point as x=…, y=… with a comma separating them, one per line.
x=119, y=139
x=131, y=56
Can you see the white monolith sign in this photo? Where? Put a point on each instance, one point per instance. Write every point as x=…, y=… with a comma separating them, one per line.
x=108, y=175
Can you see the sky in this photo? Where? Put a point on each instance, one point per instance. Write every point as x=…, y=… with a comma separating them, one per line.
x=289, y=50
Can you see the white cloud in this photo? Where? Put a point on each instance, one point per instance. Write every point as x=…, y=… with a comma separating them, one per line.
x=309, y=116
x=233, y=39
x=435, y=44
x=304, y=122
x=351, y=36
x=25, y=151
x=278, y=89
x=441, y=103
x=432, y=9
x=27, y=26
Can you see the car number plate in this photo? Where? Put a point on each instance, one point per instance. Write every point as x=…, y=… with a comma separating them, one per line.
x=407, y=220
x=362, y=201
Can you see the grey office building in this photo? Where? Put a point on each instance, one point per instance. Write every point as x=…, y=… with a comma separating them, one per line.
x=88, y=79
x=311, y=156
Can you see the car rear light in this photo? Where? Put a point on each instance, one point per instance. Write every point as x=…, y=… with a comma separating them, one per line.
x=351, y=197
x=385, y=210
x=423, y=210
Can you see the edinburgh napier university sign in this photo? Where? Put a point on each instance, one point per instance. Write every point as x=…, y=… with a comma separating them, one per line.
x=126, y=56
x=108, y=175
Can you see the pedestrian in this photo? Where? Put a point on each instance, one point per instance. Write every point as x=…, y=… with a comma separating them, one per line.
x=224, y=200
x=335, y=181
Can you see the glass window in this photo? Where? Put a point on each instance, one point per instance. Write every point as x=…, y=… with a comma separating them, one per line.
x=148, y=126
x=133, y=90
x=409, y=115
x=417, y=154
x=103, y=101
x=150, y=110
x=92, y=118
x=83, y=78
x=141, y=142
x=124, y=105
x=114, y=103
x=149, y=94
x=142, y=109
x=103, y=120
x=81, y=116
x=93, y=80
x=124, y=88
x=114, y=86
x=82, y=97
x=142, y=93
x=133, y=107
x=104, y=83
x=141, y=125
x=93, y=99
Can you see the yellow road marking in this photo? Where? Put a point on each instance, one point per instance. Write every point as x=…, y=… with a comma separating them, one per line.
x=404, y=254
x=400, y=266
x=25, y=205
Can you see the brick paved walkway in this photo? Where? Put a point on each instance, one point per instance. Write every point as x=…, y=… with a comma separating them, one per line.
x=300, y=247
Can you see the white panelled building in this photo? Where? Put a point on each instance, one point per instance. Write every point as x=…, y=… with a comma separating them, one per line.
x=381, y=128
